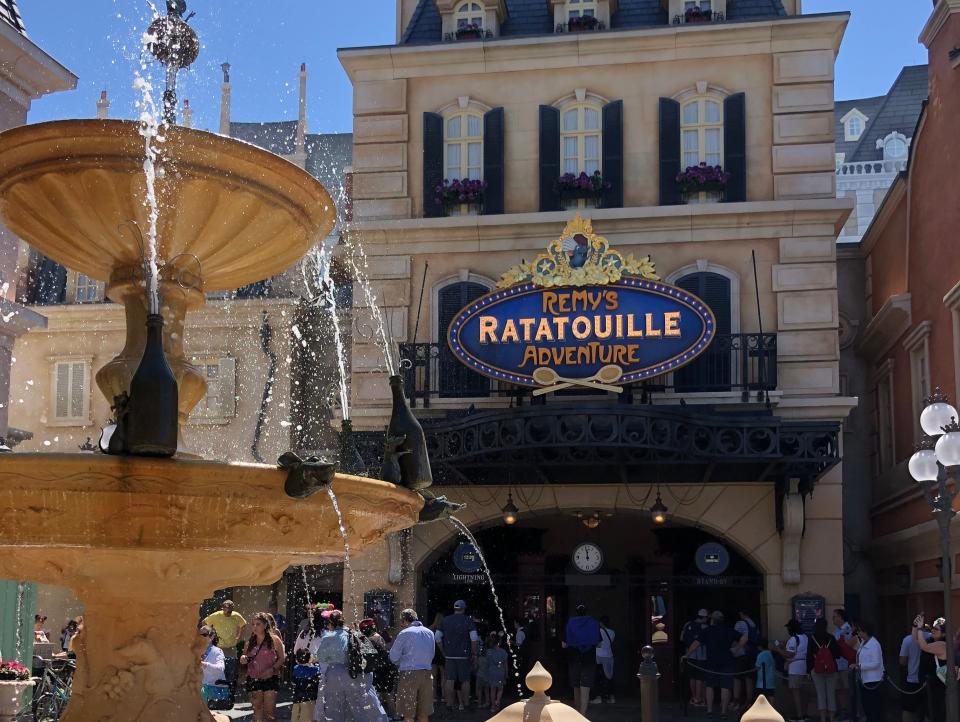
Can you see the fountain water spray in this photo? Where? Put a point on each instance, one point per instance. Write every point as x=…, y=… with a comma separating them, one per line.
x=359, y=266
x=346, y=550
x=465, y=531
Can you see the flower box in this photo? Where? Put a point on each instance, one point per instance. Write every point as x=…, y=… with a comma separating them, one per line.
x=469, y=32
x=465, y=196
x=14, y=681
x=702, y=183
x=571, y=186
x=696, y=15
x=585, y=22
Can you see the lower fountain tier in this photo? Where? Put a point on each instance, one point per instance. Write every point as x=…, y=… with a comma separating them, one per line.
x=142, y=542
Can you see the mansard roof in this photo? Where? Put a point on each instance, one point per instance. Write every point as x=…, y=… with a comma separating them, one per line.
x=534, y=17
x=10, y=14
x=898, y=111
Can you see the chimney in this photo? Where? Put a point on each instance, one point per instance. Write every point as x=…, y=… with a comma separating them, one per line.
x=301, y=143
x=225, y=100
x=103, y=106
x=187, y=114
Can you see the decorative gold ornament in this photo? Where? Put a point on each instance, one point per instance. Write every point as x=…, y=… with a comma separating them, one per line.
x=579, y=257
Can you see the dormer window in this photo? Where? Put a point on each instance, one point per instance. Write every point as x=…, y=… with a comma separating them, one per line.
x=696, y=11
x=581, y=9
x=854, y=123
x=895, y=146
x=471, y=19
x=469, y=15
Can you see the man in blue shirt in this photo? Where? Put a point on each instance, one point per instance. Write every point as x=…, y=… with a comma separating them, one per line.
x=459, y=642
x=412, y=652
x=581, y=640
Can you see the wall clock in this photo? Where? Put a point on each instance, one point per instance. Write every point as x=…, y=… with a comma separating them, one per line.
x=587, y=558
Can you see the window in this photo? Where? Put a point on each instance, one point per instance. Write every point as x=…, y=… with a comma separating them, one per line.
x=703, y=5
x=455, y=379
x=580, y=134
x=71, y=392
x=894, y=147
x=469, y=13
x=219, y=404
x=701, y=131
x=463, y=147
x=916, y=344
x=87, y=289
x=854, y=127
x=712, y=371
x=581, y=8
x=883, y=400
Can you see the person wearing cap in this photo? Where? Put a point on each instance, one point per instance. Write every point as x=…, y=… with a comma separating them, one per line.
x=688, y=635
x=412, y=652
x=230, y=626
x=459, y=642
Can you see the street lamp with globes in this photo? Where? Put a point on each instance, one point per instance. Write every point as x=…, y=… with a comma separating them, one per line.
x=935, y=465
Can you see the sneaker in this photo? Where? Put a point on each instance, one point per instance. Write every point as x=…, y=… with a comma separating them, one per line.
x=612, y=700
x=596, y=700
x=462, y=708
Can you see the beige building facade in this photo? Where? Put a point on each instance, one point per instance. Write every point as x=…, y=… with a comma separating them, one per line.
x=636, y=98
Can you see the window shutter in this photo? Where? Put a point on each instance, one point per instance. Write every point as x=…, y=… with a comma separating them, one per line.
x=432, y=164
x=549, y=158
x=455, y=379
x=714, y=290
x=78, y=390
x=711, y=371
x=735, y=147
x=228, y=387
x=669, y=151
x=493, y=161
x=613, y=154
x=62, y=405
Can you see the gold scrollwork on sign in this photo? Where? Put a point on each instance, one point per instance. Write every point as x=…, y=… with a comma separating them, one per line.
x=579, y=257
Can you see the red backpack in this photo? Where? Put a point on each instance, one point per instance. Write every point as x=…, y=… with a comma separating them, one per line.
x=823, y=661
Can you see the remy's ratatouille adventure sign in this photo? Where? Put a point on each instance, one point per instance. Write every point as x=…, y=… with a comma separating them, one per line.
x=581, y=314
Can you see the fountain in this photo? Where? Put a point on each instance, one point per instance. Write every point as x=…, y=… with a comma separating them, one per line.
x=141, y=540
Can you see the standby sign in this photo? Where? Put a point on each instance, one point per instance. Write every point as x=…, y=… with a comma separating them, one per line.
x=582, y=314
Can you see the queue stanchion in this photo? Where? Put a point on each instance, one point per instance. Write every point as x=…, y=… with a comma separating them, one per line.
x=649, y=676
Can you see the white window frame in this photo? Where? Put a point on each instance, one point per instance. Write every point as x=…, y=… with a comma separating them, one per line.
x=225, y=388
x=890, y=138
x=581, y=102
x=917, y=345
x=70, y=418
x=853, y=114
x=463, y=107
x=582, y=8
x=702, y=126
x=468, y=13
x=462, y=143
x=883, y=401
x=86, y=289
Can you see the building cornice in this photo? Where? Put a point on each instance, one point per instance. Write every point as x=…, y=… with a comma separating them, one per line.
x=611, y=47
x=938, y=18
x=17, y=319
x=645, y=225
x=890, y=323
x=26, y=71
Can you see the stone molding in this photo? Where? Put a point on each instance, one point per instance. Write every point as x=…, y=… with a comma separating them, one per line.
x=792, y=535
x=886, y=326
x=938, y=18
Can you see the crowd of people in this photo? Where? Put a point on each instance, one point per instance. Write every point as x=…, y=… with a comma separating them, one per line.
x=729, y=665
x=353, y=673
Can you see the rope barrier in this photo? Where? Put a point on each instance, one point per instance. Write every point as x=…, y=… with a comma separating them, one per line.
x=786, y=677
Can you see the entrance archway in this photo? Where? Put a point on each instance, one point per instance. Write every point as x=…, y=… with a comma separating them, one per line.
x=648, y=575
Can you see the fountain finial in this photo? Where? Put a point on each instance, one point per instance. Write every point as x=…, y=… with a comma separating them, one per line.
x=538, y=681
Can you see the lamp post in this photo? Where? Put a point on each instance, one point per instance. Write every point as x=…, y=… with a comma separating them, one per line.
x=935, y=465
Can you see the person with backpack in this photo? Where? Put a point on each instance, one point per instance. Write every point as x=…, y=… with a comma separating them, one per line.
x=795, y=656
x=823, y=653
x=688, y=635
x=605, y=664
x=721, y=641
x=745, y=657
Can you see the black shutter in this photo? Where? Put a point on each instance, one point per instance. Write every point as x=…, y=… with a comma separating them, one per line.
x=549, y=158
x=613, y=154
x=493, y=161
x=455, y=379
x=432, y=164
x=735, y=147
x=669, y=151
x=711, y=371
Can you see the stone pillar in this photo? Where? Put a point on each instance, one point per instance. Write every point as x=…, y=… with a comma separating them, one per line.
x=187, y=114
x=103, y=106
x=225, y=100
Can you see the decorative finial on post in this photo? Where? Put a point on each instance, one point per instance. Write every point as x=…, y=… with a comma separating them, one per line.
x=176, y=46
x=762, y=711
x=538, y=681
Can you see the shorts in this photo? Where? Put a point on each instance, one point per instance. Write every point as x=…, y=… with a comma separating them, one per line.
x=582, y=667
x=716, y=680
x=826, y=687
x=796, y=681
x=267, y=684
x=457, y=669
x=415, y=694
x=746, y=663
x=912, y=699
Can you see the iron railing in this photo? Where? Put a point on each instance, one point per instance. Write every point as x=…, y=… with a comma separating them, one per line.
x=744, y=362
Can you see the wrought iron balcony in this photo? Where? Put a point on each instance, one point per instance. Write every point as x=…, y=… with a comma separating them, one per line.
x=744, y=362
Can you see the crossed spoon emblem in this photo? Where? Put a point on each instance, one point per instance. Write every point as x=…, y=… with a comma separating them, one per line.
x=550, y=380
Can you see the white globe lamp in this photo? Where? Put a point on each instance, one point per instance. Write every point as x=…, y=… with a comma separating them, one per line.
x=937, y=414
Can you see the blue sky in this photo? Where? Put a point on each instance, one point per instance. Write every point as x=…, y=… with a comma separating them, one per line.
x=266, y=40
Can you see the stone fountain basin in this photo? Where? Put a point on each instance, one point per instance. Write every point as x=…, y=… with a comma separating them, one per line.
x=143, y=541
x=66, y=187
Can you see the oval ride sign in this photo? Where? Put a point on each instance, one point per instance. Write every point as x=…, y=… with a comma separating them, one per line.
x=642, y=327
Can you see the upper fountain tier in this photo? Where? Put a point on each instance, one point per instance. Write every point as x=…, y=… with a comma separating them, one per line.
x=67, y=187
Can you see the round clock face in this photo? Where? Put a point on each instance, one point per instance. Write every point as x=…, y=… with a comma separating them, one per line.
x=587, y=558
